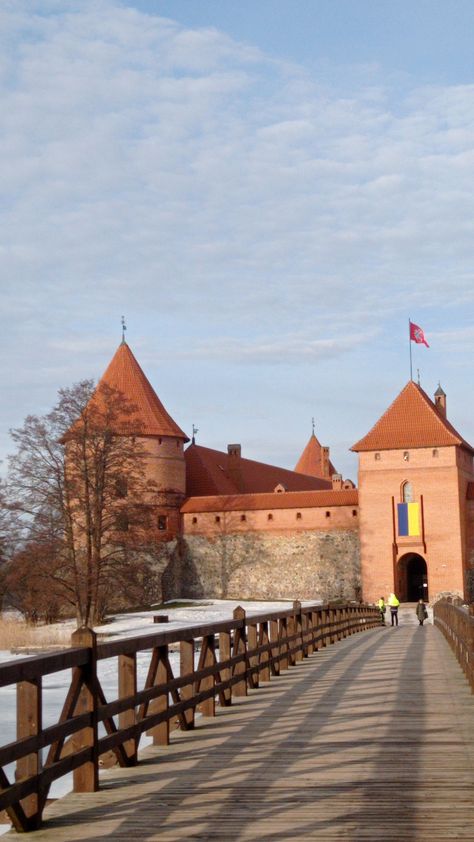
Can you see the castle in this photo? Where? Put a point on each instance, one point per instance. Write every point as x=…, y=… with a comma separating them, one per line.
x=230, y=526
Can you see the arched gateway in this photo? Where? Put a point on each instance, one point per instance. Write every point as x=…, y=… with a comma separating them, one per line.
x=412, y=578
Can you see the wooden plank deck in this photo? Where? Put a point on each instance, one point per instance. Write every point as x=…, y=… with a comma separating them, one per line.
x=372, y=738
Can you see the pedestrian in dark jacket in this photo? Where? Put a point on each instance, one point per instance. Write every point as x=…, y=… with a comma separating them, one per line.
x=421, y=611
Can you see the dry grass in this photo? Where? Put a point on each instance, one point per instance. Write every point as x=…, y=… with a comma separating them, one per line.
x=15, y=633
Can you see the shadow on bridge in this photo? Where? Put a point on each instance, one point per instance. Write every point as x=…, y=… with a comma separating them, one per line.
x=315, y=753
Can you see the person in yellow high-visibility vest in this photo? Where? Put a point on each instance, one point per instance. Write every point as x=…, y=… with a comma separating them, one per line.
x=382, y=609
x=393, y=604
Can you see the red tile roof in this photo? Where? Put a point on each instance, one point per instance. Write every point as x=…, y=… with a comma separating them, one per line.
x=207, y=473
x=311, y=460
x=413, y=421
x=286, y=500
x=125, y=375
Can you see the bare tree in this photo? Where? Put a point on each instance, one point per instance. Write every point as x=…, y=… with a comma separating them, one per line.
x=78, y=480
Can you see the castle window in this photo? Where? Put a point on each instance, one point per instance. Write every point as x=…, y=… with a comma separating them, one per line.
x=218, y=518
x=406, y=456
x=121, y=487
x=177, y=443
x=195, y=520
x=298, y=515
x=160, y=441
x=354, y=512
x=407, y=492
x=121, y=522
x=377, y=457
x=270, y=516
x=435, y=453
x=328, y=514
x=243, y=517
x=162, y=522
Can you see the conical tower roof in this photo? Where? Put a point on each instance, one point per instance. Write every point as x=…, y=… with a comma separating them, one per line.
x=125, y=375
x=311, y=460
x=411, y=421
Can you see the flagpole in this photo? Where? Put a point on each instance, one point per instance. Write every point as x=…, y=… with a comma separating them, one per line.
x=409, y=342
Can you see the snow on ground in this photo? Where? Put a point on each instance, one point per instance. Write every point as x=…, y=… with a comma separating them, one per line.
x=193, y=612
x=55, y=686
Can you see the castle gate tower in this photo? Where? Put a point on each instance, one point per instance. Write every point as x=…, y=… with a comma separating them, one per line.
x=415, y=511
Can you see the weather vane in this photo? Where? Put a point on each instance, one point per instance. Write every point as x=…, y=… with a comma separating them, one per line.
x=195, y=430
x=124, y=328
x=312, y=422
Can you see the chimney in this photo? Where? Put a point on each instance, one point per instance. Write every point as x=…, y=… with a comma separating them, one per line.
x=440, y=401
x=325, y=461
x=337, y=482
x=234, y=465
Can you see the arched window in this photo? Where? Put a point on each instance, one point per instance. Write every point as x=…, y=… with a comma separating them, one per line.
x=407, y=492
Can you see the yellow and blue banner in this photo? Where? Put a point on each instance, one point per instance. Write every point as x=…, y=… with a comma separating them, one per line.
x=408, y=518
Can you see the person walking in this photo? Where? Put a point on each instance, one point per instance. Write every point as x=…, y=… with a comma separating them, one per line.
x=382, y=608
x=421, y=611
x=393, y=603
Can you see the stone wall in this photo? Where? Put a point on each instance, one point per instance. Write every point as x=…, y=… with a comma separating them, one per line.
x=306, y=565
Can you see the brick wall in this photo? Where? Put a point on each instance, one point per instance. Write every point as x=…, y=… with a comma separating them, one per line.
x=441, y=476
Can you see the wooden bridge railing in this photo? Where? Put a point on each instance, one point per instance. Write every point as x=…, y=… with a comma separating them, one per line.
x=457, y=624
x=234, y=655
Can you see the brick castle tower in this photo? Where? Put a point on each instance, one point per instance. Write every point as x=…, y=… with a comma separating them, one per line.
x=415, y=509
x=160, y=436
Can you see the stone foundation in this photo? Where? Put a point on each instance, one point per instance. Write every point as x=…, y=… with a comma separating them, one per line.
x=306, y=566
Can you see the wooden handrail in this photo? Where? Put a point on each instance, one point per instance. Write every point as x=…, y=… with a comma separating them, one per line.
x=456, y=621
x=235, y=655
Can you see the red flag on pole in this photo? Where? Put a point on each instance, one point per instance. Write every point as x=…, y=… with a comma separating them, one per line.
x=417, y=335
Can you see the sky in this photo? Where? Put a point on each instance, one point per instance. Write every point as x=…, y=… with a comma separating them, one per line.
x=267, y=190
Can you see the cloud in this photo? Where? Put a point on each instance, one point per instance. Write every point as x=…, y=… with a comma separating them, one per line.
x=284, y=350
x=237, y=206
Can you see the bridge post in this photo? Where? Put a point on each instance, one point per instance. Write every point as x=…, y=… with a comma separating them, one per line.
x=86, y=777
x=29, y=716
x=186, y=658
x=298, y=631
x=161, y=732
x=240, y=648
x=283, y=643
x=470, y=642
x=127, y=682
x=309, y=633
x=275, y=649
x=226, y=673
x=208, y=659
x=253, y=659
x=322, y=627
x=264, y=640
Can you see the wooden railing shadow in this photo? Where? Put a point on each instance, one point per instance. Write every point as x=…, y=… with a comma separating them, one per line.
x=220, y=789
x=249, y=648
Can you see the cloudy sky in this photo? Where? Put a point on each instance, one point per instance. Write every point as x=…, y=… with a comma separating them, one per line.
x=267, y=190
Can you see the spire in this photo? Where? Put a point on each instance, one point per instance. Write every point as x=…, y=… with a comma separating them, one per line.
x=125, y=375
x=440, y=400
x=314, y=461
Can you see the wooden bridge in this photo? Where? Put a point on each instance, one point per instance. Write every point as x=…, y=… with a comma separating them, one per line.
x=370, y=738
